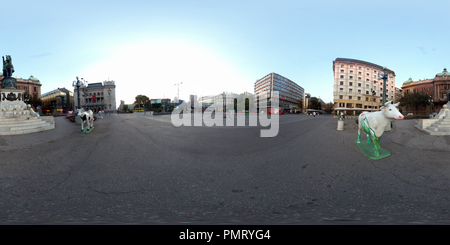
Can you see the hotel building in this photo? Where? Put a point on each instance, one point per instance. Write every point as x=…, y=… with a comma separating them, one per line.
x=356, y=85
x=289, y=92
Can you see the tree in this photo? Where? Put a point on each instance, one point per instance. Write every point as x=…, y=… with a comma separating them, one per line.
x=329, y=107
x=415, y=99
x=34, y=101
x=300, y=104
x=140, y=100
x=314, y=104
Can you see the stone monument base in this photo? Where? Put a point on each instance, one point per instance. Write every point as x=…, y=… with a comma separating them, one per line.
x=439, y=125
x=16, y=117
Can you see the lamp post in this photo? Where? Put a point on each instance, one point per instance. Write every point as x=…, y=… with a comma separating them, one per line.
x=178, y=87
x=78, y=83
x=431, y=106
x=384, y=76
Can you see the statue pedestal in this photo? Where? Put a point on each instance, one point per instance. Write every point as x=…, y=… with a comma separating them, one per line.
x=367, y=149
x=11, y=103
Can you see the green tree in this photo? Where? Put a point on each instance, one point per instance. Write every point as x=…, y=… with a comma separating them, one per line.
x=415, y=99
x=314, y=104
x=141, y=100
x=329, y=107
x=300, y=104
x=34, y=101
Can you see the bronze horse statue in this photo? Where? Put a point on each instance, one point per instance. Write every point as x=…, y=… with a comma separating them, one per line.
x=8, y=68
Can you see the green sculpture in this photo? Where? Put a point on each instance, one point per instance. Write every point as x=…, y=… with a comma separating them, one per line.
x=8, y=81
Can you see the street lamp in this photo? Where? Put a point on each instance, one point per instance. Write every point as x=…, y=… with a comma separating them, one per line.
x=178, y=87
x=431, y=106
x=384, y=76
x=79, y=83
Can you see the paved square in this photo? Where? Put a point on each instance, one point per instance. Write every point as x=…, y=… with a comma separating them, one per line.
x=135, y=168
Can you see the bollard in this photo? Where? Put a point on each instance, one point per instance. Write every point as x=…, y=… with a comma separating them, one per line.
x=340, y=126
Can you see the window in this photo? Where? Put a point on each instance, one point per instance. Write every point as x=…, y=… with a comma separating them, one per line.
x=350, y=90
x=349, y=97
x=350, y=84
x=341, y=83
x=342, y=76
x=359, y=84
x=341, y=97
x=341, y=90
x=342, y=71
x=351, y=77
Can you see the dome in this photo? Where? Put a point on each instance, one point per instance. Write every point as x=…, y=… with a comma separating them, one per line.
x=443, y=73
x=408, y=81
x=33, y=78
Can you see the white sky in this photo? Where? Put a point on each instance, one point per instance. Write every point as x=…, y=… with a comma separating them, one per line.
x=213, y=46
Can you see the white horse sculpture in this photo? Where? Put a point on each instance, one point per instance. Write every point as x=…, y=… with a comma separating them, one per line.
x=86, y=117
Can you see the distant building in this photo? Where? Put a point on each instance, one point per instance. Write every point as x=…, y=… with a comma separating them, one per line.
x=289, y=92
x=97, y=96
x=31, y=85
x=438, y=88
x=356, y=85
x=58, y=100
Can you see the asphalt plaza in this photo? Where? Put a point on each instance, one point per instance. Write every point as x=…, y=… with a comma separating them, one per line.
x=140, y=169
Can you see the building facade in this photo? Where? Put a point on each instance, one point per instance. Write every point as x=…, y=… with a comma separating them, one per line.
x=290, y=93
x=357, y=87
x=97, y=96
x=438, y=88
x=57, y=101
x=31, y=85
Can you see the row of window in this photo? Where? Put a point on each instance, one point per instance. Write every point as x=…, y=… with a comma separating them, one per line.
x=341, y=97
x=367, y=80
x=359, y=84
x=351, y=105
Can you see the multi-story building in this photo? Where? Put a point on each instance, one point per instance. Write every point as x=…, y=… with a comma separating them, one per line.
x=31, y=85
x=438, y=88
x=97, y=96
x=289, y=92
x=58, y=100
x=357, y=87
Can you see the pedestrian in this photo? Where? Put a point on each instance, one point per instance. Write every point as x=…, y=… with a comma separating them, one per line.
x=314, y=114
